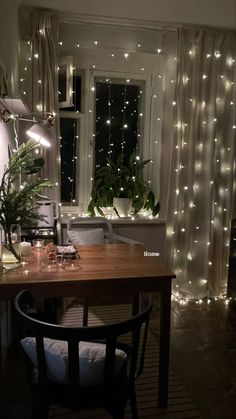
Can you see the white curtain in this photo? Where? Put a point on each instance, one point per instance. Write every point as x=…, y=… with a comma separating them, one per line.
x=4, y=84
x=199, y=188
x=44, y=80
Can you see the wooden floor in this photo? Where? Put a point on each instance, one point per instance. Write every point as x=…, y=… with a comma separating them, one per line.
x=180, y=405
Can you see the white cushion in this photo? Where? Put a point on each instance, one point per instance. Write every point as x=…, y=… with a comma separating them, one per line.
x=91, y=355
x=92, y=236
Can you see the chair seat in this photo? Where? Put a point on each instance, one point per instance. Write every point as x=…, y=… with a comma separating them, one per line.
x=91, y=360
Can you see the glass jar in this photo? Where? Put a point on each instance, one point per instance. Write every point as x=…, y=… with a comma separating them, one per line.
x=11, y=249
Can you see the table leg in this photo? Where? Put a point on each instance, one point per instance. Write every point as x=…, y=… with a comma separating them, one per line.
x=5, y=331
x=164, y=343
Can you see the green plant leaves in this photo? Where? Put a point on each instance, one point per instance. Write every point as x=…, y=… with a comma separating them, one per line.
x=33, y=166
x=20, y=187
x=118, y=180
x=156, y=209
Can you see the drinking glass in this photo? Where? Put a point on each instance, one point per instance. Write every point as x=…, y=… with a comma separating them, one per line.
x=38, y=244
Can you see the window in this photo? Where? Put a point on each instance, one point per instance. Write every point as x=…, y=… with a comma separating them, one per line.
x=115, y=124
x=118, y=113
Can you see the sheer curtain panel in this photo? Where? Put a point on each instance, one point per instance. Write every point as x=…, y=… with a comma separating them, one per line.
x=45, y=84
x=201, y=187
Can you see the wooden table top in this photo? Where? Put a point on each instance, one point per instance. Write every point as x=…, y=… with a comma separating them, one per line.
x=102, y=268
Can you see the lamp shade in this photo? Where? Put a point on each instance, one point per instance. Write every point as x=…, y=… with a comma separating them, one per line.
x=40, y=132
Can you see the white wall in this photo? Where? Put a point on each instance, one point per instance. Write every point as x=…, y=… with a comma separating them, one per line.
x=220, y=13
x=7, y=139
x=9, y=57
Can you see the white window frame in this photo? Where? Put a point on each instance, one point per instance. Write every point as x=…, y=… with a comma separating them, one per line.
x=86, y=133
x=79, y=132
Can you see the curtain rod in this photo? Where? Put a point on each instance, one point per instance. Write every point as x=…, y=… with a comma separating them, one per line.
x=109, y=20
x=74, y=18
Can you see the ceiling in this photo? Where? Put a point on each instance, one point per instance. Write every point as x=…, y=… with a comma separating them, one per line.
x=221, y=13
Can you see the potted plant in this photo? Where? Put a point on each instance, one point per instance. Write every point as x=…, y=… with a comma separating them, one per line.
x=19, y=187
x=117, y=180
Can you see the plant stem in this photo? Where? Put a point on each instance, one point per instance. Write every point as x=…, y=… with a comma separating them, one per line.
x=9, y=245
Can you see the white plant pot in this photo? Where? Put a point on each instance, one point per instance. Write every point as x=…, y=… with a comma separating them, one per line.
x=123, y=206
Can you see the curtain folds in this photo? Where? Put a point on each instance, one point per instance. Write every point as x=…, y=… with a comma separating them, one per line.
x=4, y=84
x=44, y=88
x=201, y=189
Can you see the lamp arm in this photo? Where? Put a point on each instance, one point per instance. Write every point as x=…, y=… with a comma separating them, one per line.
x=27, y=120
x=36, y=119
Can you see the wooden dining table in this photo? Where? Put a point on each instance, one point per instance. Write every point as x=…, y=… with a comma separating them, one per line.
x=107, y=269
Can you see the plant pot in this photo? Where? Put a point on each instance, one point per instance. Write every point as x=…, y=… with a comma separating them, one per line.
x=11, y=249
x=123, y=206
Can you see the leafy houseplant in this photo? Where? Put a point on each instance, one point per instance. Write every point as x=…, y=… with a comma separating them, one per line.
x=124, y=181
x=17, y=205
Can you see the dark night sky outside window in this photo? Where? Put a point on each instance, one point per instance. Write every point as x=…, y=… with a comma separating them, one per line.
x=119, y=104
x=76, y=89
x=68, y=164
x=62, y=83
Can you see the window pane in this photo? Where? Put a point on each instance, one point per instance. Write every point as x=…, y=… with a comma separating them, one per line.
x=76, y=90
x=117, y=121
x=68, y=149
x=62, y=75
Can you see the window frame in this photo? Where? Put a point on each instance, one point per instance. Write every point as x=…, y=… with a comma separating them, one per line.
x=86, y=148
x=78, y=117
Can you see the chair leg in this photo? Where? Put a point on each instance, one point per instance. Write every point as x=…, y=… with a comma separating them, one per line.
x=133, y=403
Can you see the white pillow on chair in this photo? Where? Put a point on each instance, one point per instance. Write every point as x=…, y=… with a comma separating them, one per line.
x=91, y=236
x=92, y=359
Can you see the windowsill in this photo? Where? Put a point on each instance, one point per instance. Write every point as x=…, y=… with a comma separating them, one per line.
x=72, y=212
x=122, y=221
x=137, y=221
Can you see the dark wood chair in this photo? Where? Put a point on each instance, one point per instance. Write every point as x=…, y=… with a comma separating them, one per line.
x=116, y=364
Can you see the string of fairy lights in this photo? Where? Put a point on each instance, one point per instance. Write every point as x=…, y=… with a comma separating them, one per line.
x=23, y=90
x=125, y=126
x=189, y=225
x=110, y=144
x=187, y=195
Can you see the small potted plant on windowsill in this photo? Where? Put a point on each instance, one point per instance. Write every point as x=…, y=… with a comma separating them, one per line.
x=18, y=189
x=119, y=181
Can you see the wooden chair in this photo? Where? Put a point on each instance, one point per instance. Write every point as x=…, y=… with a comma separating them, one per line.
x=77, y=386
x=89, y=223
x=79, y=228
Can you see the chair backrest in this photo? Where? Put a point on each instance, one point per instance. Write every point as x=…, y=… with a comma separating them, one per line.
x=40, y=333
x=86, y=223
